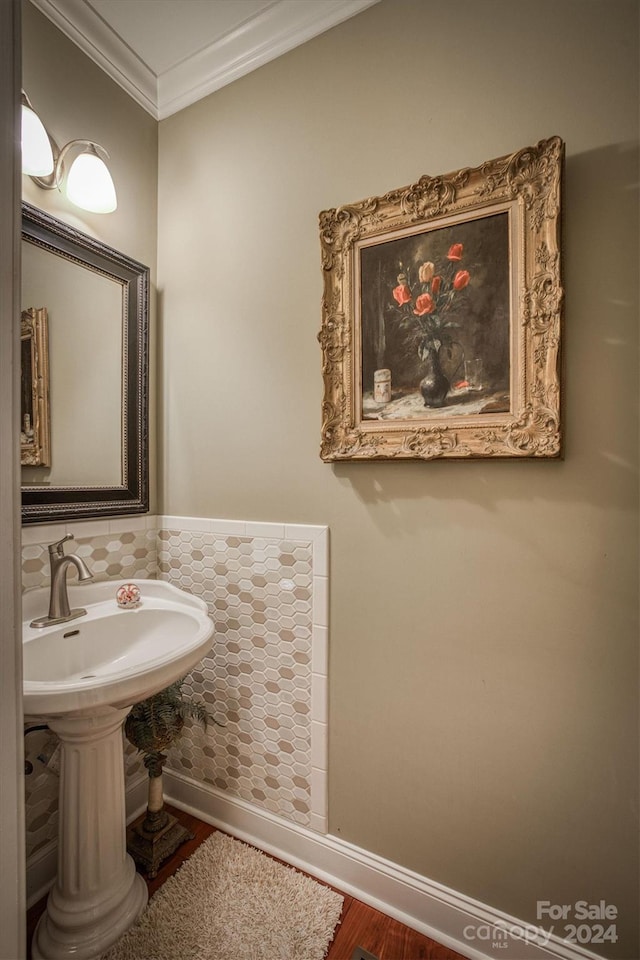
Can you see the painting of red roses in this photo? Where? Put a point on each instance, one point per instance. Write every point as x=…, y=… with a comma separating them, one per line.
x=435, y=307
x=442, y=315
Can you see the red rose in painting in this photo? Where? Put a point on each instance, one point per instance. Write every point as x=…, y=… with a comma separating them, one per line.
x=402, y=293
x=435, y=285
x=461, y=279
x=425, y=272
x=424, y=304
x=455, y=252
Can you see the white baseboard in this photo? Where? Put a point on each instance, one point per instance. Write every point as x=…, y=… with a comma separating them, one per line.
x=42, y=866
x=475, y=930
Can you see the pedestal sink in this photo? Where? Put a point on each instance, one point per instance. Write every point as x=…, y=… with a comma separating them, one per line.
x=83, y=677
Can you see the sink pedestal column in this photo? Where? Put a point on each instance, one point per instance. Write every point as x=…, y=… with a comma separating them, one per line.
x=97, y=894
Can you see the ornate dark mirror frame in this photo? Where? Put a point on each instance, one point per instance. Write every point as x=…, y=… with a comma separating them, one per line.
x=42, y=504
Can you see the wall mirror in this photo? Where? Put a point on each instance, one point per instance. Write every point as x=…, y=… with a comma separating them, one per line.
x=92, y=302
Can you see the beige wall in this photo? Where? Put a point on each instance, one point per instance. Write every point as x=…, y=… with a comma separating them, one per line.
x=483, y=663
x=76, y=99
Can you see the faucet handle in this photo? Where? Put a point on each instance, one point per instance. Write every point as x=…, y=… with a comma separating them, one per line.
x=57, y=549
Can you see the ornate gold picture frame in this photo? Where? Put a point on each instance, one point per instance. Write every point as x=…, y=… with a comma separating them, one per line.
x=35, y=427
x=441, y=315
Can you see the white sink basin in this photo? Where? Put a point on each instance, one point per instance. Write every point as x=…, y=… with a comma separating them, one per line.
x=112, y=656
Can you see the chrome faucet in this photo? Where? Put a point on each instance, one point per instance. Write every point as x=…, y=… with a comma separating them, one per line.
x=59, y=611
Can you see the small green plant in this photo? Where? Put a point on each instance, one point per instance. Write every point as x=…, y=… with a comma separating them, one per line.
x=155, y=723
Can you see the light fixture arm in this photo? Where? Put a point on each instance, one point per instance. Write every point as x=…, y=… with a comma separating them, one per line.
x=53, y=181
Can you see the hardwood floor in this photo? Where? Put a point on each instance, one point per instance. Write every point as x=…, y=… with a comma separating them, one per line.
x=360, y=925
x=385, y=938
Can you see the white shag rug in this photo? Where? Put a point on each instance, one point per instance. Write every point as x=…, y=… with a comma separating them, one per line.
x=230, y=902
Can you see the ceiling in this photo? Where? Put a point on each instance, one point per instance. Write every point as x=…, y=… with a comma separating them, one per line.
x=169, y=53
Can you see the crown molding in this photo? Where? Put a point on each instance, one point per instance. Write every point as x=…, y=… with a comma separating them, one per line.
x=281, y=27
x=285, y=24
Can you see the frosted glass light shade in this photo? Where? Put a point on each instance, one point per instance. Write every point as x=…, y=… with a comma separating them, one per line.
x=89, y=184
x=37, y=156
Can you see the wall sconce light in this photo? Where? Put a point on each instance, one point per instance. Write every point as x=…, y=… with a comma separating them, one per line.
x=89, y=184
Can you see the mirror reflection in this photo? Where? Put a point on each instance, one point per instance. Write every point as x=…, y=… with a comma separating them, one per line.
x=85, y=359
x=84, y=421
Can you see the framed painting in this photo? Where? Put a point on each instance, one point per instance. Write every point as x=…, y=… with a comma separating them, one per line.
x=441, y=315
x=35, y=427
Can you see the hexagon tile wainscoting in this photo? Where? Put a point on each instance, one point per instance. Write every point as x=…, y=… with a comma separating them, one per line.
x=265, y=679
